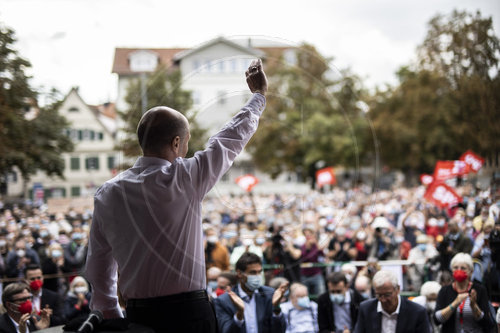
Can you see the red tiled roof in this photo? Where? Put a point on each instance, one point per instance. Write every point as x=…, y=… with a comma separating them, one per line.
x=121, y=62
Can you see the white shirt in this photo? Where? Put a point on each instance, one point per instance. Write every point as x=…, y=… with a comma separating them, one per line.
x=147, y=220
x=389, y=321
x=250, y=311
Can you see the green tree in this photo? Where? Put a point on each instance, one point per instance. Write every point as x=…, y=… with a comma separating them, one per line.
x=464, y=49
x=27, y=143
x=163, y=87
x=447, y=103
x=311, y=116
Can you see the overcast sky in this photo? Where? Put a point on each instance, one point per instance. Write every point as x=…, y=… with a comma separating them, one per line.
x=71, y=42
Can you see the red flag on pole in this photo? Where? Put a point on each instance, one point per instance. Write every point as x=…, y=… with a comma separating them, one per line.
x=474, y=161
x=247, y=182
x=325, y=176
x=426, y=179
x=442, y=195
x=449, y=169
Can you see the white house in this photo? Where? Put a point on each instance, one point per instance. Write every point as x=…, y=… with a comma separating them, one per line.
x=94, y=159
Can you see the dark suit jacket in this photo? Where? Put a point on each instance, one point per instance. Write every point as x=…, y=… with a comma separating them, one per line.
x=412, y=318
x=54, y=301
x=7, y=326
x=326, y=320
x=267, y=322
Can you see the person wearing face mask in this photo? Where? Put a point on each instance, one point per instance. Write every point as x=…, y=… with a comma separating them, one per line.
x=301, y=314
x=250, y=307
x=454, y=242
x=19, y=317
x=216, y=254
x=77, y=300
x=247, y=239
x=42, y=297
x=75, y=252
x=338, y=307
x=427, y=298
x=54, y=265
x=212, y=275
x=19, y=257
x=363, y=286
x=418, y=257
x=463, y=305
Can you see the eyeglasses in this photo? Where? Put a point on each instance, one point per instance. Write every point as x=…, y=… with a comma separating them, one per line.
x=384, y=295
x=23, y=299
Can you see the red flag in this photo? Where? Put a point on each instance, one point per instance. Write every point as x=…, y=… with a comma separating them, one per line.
x=426, y=179
x=449, y=169
x=474, y=161
x=442, y=195
x=247, y=182
x=325, y=176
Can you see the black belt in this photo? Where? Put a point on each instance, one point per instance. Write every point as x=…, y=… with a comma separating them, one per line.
x=162, y=300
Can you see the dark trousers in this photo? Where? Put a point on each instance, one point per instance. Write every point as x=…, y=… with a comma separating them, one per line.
x=186, y=312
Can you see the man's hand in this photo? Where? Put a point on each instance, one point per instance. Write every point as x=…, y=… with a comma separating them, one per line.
x=22, y=322
x=256, y=78
x=44, y=321
x=279, y=292
x=238, y=303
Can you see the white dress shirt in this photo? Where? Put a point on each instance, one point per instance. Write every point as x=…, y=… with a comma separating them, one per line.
x=249, y=313
x=147, y=220
x=389, y=320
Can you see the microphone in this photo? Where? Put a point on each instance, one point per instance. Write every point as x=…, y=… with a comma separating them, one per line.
x=95, y=318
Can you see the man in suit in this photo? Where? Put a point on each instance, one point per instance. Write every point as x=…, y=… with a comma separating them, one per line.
x=389, y=312
x=250, y=307
x=338, y=307
x=44, y=298
x=16, y=299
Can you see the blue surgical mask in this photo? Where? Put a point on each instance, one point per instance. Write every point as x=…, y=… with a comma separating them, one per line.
x=229, y=234
x=56, y=254
x=337, y=298
x=304, y=302
x=422, y=247
x=253, y=282
x=212, y=285
x=77, y=236
x=366, y=295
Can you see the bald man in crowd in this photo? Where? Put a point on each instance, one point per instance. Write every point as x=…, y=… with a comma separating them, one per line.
x=147, y=223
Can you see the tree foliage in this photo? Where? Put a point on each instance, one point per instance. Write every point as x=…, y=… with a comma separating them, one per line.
x=310, y=116
x=445, y=104
x=28, y=143
x=163, y=87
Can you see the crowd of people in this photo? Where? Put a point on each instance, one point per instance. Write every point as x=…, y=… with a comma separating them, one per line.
x=328, y=247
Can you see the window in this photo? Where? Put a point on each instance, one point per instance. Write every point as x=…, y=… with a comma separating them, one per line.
x=92, y=163
x=100, y=136
x=74, y=163
x=92, y=135
x=196, y=65
x=80, y=135
x=221, y=66
x=111, y=162
x=75, y=191
x=73, y=109
x=234, y=65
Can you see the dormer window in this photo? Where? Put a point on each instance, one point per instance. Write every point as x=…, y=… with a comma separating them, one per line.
x=73, y=109
x=143, y=61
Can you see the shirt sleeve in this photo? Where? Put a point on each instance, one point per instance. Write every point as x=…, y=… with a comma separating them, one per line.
x=209, y=165
x=101, y=271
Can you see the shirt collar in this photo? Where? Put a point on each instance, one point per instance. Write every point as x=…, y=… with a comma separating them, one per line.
x=380, y=309
x=243, y=294
x=347, y=296
x=145, y=161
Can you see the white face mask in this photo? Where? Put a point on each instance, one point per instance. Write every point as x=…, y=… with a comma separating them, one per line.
x=212, y=239
x=21, y=253
x=247, y=241
x=80, y=290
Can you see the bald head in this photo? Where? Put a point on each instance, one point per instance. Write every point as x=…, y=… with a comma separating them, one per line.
x=163, y=132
